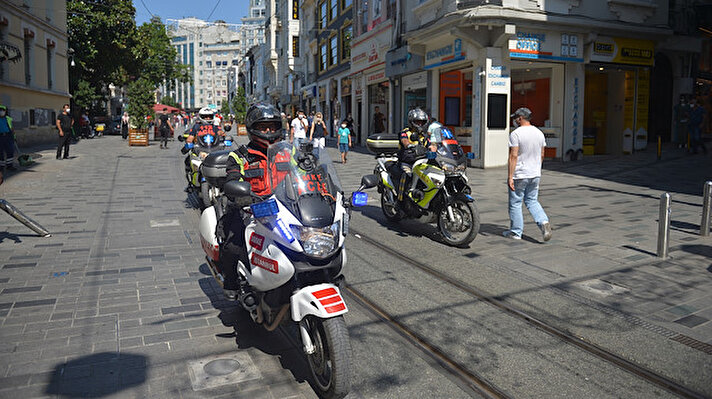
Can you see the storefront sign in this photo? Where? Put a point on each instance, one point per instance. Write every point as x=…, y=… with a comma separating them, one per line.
x=378, y=76
x=622, y=51
x=400, y=62
x=575, y=119
x=445, y=55
x=497, y=76
x=415, y=81
x=546, y=46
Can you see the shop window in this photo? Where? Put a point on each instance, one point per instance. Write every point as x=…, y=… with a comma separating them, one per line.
x=33, y=117
x=346, y=34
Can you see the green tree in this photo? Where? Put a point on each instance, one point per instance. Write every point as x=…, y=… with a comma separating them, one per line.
x=154, y=58
x=225, y=108
x=239, y=105
x=100, y=34
x=168, y=100
x=141, y=100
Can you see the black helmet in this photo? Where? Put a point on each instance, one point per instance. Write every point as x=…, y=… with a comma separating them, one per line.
x=264, y=124
x=418, y=120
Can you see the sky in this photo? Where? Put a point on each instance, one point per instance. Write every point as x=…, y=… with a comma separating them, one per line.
x=230, y=11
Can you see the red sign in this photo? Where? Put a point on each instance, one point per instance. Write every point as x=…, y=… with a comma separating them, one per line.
x=260, y=261
x=256, y=241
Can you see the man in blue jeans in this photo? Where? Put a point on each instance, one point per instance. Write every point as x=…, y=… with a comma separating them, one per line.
x=526, y=151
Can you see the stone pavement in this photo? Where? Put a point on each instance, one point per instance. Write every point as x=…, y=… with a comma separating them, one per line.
x=604, y=211
x=113, y=304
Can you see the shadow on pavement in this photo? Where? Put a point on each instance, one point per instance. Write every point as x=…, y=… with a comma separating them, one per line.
x=97, y=375
x=247, y=334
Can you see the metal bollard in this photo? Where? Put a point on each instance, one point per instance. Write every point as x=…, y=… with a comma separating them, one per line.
x=706, y=203
x=664, y=226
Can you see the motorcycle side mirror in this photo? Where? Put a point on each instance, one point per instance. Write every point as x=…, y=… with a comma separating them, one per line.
x=181, y=138
x=368, y=181
x=237, y=189
x=470, y=155
x=227, y=128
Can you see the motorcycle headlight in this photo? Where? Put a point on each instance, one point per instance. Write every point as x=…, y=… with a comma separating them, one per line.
x=448, y=167
x=319, y=242
x=461, y=167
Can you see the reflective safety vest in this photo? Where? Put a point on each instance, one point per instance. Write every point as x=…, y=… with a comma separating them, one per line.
x=255, y=172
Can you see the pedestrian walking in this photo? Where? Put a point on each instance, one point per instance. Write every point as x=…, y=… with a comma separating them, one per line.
x=299, y=128
x=64, y=124
x=125, y=125
x=344, y=140
x=379, y=125
x=317, y=133
x=165, y=127
x=526, y=151
x=697, y=116
x=7, y=140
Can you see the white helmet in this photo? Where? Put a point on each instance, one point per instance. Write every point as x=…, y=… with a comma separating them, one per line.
x=206, y=114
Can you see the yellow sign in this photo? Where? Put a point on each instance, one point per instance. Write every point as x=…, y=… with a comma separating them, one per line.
x=623, y=51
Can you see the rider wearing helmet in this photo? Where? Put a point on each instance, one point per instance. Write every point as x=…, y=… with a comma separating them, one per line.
x=247, y=163
x=204, y=126
x=414, y=140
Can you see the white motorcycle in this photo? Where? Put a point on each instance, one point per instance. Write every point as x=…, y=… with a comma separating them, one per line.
x=295, y=253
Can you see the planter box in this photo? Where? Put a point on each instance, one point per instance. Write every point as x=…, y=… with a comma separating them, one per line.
x=138, y=137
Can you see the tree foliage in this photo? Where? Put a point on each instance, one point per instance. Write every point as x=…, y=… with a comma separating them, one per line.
x=141, y=100
x=100, y=33
x=109, y=48
x=239, y=105
x=168, y=100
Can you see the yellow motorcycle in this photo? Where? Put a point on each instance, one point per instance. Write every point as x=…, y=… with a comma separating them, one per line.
x=438, y=191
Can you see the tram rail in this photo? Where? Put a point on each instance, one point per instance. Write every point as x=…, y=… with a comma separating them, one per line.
x=484, y=386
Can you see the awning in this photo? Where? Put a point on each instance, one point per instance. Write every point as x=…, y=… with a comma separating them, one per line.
x=159, y=108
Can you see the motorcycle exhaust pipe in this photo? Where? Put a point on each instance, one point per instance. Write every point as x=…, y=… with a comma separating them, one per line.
x=24, y=219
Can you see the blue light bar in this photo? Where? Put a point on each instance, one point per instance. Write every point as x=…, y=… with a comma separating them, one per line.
x=265, y=208
x=359, y=198
x=208, y=139
x=284, y=231
x=228, y=143
x=431, y=155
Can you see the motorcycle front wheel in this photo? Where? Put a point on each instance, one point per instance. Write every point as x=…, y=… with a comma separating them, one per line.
x=465, y=225
x=330, y=363
x=205, y=194
x=389, y=206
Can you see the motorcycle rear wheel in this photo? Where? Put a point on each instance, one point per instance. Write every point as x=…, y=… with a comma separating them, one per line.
x=464, y=229
x=390, y=208
x=330, y=363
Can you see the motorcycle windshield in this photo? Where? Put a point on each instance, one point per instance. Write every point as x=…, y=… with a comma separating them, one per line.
x=304, y=180
x=449, y=150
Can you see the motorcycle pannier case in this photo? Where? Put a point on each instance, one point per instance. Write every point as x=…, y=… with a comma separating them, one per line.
x=214, y=168
x=382, y=143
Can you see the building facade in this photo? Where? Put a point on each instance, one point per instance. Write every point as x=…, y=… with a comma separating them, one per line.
x=34, y=81
x=210, y=49
x=586, y=79
x=252, y=31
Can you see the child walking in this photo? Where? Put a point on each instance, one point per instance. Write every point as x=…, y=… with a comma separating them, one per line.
x=344, y=140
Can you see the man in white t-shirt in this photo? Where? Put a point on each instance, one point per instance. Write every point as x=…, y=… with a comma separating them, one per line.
x=299, y=128
x=526, y=151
